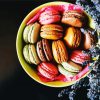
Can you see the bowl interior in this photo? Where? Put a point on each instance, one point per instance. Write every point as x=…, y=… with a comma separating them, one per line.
x=19, y=47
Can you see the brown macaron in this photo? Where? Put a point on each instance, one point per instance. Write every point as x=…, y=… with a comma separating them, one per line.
x=74, y=18
x=89, y=40
x=72, y=37
x=43, y=50
x=40, y=51
x=59, y=51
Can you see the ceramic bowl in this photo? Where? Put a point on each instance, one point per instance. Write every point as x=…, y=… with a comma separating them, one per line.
x=19, y=47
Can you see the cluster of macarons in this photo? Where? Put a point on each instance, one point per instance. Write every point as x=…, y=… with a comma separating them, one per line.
x=50, y=39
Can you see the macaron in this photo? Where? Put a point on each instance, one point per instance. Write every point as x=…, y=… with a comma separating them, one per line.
x=71, y=66
x=78, y=56
x=49, y=16
x=48, y=70
x=43, y=50
x=65, y=72
x=72, y=37
x=59, y=51
x=51, y=31
x=31, y=33
x=89, y=40
x=74, y=18
x=30, y=55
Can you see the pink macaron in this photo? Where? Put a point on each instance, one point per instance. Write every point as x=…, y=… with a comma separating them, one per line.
x=49, y=16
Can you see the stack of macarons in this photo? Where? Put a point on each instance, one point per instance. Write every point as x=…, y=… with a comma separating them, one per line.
x=54, y=43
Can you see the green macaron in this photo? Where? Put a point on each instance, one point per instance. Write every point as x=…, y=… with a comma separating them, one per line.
x=71, y=66
x=30, y=54
x=31, y=33
x=65, y=72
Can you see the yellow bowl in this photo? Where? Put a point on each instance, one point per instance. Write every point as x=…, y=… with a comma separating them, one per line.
x=19, y=47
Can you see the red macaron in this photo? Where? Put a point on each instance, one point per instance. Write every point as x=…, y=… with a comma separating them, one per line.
x=48, y=70
x=49, y=16
x=78, y=56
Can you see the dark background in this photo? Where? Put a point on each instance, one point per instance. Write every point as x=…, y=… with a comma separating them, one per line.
x=15, y=84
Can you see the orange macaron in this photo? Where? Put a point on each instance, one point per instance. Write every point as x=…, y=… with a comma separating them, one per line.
x=59, y=51
x=72, y=37
x=51, y=31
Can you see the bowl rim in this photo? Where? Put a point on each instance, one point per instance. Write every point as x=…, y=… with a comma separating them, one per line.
x=21, y=27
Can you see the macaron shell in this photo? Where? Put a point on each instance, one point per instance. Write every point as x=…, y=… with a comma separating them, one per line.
x=26, y=53
x=50, y=27
x=72, y=13
x=59, y=51
x=65, y=72
x=72, y=37
x=25, y=33
x=72, y=22
x=49, y=12
x=40, y=51
x=50, y=19
x=55, y=51
x=71, y=66
x=47, y=50
x=35, y=32
x=33, y=55
x=76, y=66
x=51, y=35
x=30, y=33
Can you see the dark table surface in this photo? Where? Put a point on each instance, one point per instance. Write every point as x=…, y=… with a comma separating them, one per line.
x=15, y=84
